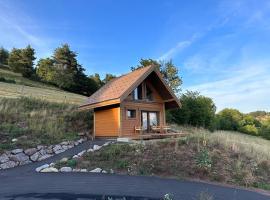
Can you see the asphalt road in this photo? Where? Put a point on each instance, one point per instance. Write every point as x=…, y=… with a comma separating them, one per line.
x=23, y=183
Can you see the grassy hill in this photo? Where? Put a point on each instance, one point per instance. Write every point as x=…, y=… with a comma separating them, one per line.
x=13, y=85
x=35, y=113
x=221, y=156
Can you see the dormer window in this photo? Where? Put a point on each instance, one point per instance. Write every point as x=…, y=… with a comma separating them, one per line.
x=137, y=93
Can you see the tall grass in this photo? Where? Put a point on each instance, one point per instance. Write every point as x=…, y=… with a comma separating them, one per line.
x=36, y=121
x=254, y=146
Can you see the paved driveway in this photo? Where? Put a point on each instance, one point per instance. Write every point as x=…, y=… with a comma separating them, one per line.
x=23, y=183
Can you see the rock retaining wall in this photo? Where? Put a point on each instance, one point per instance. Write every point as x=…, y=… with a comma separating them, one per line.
x=18, y=157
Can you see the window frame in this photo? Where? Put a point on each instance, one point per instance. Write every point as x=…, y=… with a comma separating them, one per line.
x=131, y=116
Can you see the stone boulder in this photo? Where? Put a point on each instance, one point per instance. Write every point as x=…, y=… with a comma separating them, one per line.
x=96, y=147
x=8, y=164
x=4, y=158
x=16, y=151
x=43, y=157
x=20, y=157
x=49, y=169
x=59, y=151
x=30, y=151
x=81, y=153
x=35, y=156
x=57, y=148
x=97, y=170
x=66, y=169
x=38, y=169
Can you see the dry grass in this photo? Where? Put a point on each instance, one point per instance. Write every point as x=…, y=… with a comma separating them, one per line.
x=35, y=121
x=201, y=155
x=254, y=146
x=28, y=88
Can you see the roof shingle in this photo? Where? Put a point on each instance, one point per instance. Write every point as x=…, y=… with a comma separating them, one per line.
x=117, y=86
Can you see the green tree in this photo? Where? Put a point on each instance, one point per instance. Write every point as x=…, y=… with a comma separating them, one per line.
x=196, y=110
x=14, y=59
x=66, y=68
x=4, y=56
x=168, y=70
x=229, y=119
x=107, y=78
x=45, y=70
x=96, y=79
x=28, y=57
x=22, y=61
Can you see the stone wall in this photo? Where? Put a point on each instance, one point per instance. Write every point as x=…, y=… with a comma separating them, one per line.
x=18, y=157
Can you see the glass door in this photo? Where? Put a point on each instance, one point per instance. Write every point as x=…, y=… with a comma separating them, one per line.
x=144, y=121
x=149, y=119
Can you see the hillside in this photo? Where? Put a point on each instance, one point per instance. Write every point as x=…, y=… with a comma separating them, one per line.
x=222, y=156
x=13, y=85
x=33, y=113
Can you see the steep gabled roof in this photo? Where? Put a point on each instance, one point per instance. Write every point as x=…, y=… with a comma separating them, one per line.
x=119, y=88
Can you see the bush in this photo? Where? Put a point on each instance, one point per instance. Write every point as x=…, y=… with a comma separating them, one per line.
x=196, y=110
x=2, y=79
x=265, y=131
x=203, y=160
x=249, y=129
x=229, y=119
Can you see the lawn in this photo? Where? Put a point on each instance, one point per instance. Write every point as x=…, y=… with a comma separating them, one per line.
x=16, y=86
x=225, y=157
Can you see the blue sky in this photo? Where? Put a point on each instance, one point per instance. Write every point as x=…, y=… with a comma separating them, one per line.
x=221, y=47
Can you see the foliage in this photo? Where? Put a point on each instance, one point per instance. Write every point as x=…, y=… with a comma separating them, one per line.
x=64, y=71
x=196, y=110
x=229, y=119
x=203, y=159
x=168, y=70
x=22, y=61
x=45, y=70
x=249, y=129
x=265, y=131
x=4, y=56
x=107, y=78
x=71, y=163
x=2, y=79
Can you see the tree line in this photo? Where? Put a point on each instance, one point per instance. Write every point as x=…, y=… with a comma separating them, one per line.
x=61, y=69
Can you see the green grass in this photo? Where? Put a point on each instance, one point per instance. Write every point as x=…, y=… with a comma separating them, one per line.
x=35, y=121
x=24, y=87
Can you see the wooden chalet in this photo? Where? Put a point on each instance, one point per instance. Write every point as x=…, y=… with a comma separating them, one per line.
x=132, y=105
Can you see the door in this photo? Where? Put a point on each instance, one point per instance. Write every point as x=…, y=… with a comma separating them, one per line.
x=148, y=119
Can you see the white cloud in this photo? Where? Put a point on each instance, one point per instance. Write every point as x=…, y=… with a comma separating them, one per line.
x=247, y=89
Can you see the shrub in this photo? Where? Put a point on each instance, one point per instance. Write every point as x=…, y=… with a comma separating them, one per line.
x=71, y=163
x=203, y=160
x=229, y=119
x=122, y=164
x=2, y=79
x=249, y=129
x=265, y=131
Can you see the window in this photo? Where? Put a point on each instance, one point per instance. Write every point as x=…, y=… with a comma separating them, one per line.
x=137, y=93
x=131, y=113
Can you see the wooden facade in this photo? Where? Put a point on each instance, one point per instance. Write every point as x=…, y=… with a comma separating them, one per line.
x=142, y=105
